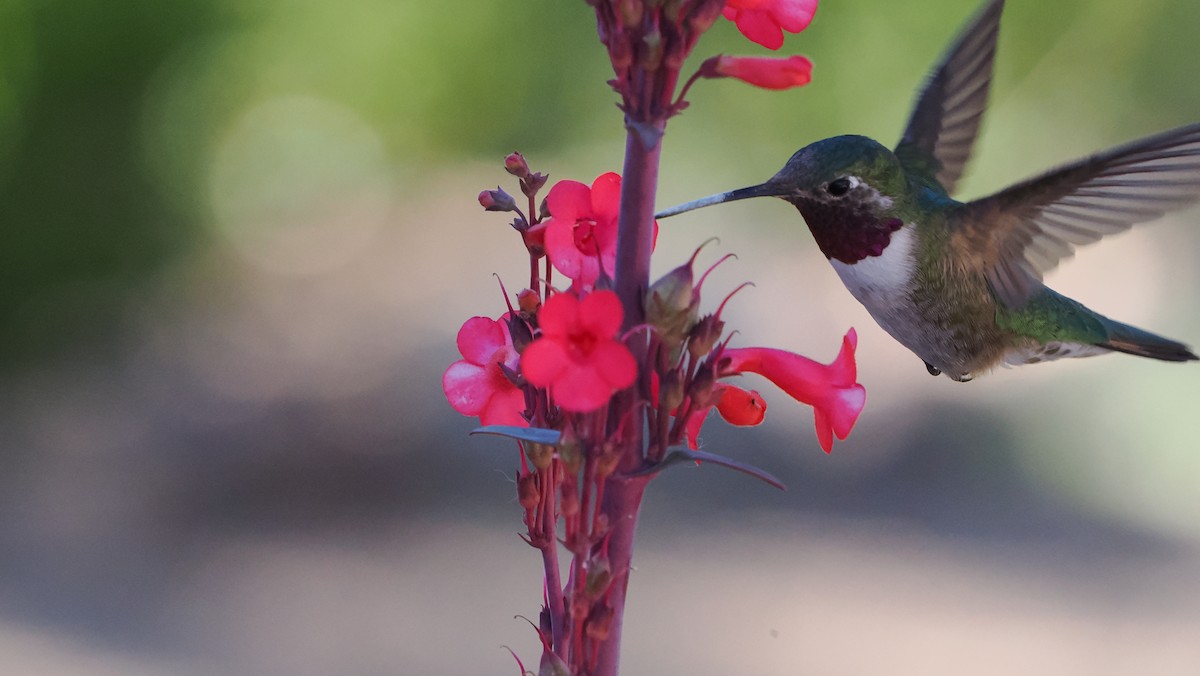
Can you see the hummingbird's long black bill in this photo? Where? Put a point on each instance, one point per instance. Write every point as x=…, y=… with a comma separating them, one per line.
x=760, y=190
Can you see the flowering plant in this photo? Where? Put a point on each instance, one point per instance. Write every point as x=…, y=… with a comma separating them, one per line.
x=604, y=378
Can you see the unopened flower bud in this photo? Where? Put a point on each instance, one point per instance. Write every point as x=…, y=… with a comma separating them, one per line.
x=599, y=622
x=520, y=332
x=671, y=305
x=571, y=453
x=529, y=494
x=704, y=335
x=630, y=12
x=568, y=503
x=516, y=165
x=529, y=301
x=496, y=200
x=670, y=392
x=703, y=390
x=540, y=455
x=545, y=622
x=703, y=15
x=671, y=9
x=620, y=53
x=651, y=54
x=532, y=183
x=768, y=72
x=535, y=240
x=599, y=575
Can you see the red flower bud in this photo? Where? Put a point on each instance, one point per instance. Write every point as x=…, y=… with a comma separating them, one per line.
x=768, y=72
x=515, y=164
x=496, y=200
x=529, y=301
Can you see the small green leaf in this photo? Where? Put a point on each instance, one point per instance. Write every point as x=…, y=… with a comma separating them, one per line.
x=534, y=435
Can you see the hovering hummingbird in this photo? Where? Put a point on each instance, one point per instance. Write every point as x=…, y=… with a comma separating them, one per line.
x=960, y=284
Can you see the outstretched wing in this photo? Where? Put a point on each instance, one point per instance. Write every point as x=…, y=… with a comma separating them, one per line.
x=1023, y=231
x=946, y=119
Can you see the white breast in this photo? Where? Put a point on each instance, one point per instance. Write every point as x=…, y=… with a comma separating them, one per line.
x=883, y=279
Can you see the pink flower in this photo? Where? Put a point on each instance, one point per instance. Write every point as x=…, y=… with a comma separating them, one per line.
x=768, y=72
x=577, y=356
x=476, y=385
x=830, y=389
x=763, y=21
x=744, y=408
x=581, y=233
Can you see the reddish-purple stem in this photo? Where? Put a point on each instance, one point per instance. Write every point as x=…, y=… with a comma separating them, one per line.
x=554, y=588
x=623, y=495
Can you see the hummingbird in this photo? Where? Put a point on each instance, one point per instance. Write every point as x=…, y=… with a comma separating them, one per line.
x=960, y=283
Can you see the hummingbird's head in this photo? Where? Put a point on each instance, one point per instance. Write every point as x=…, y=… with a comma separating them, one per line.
x=850, y=172
x=846, y=187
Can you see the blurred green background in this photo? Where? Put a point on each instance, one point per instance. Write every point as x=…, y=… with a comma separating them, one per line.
x=238, y=239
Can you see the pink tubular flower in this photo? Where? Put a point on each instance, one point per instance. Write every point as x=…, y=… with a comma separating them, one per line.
x=763, y=21
x=476, y=385
x=577, y=356
x=768, y=72
x=830, y=389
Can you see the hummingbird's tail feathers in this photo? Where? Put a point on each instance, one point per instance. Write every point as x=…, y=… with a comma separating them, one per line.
x=1132, y=340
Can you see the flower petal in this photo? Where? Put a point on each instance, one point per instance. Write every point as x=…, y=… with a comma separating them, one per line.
x=741, y=407
x=569, y=201
x=601, y=313
x=504, y=408
x=758, y=26
x=479, y=338
x=559, y=241
x=581, y=388
x=559, y=314
x=606, y=197
x=615, y=364
x=543, y=361
x=467, y=387
x=763, y=21
x=794, y=16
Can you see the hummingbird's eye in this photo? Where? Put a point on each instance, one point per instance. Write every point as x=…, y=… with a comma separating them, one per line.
x=838, y=187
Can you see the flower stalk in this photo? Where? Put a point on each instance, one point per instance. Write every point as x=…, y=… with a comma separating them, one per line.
x=607, y=381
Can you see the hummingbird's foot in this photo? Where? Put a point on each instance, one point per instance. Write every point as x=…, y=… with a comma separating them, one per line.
x=933, y=370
